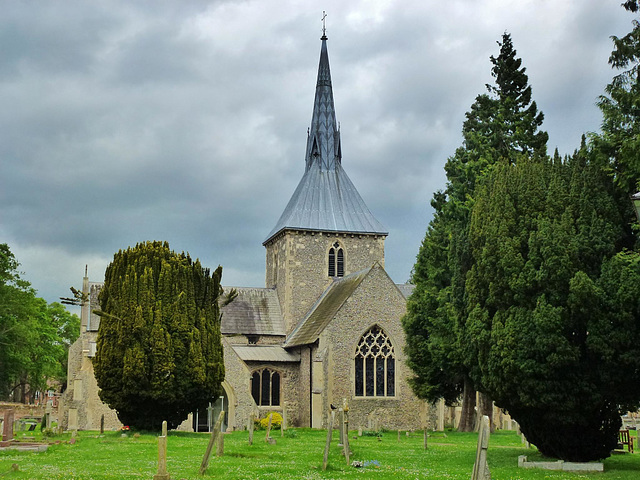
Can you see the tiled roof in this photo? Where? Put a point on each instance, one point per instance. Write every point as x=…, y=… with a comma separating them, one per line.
x=325, y=309
x=265, y=353
x=405, y=289
x=256, y=311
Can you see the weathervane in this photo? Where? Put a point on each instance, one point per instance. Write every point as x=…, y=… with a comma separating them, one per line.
x=324, y=24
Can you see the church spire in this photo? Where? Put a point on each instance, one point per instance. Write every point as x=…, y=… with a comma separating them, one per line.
x=323, y=141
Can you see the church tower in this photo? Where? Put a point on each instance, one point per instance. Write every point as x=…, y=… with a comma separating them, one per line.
x=326, y=230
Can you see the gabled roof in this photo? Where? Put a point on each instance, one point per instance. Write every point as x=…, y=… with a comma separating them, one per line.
x=325, y=309
x=256, y=311
x=326, y=200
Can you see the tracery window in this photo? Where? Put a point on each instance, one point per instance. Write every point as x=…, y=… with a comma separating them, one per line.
x=375, y=369
x=265, y=387
x=336, y=261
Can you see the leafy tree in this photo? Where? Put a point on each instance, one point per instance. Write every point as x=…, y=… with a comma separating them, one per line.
x=553, y=310
x=34, y=336
x=501, y=125
x=159, y=351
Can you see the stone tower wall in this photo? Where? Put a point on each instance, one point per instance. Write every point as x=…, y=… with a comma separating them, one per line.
x=298, y=263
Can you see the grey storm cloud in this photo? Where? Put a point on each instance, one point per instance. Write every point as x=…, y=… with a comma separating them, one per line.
x=186, y=121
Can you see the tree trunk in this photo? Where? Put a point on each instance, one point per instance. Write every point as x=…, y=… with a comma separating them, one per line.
x=467, y=418
x=486, y=408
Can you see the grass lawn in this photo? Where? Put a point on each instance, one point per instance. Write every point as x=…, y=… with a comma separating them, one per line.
x=449, y=456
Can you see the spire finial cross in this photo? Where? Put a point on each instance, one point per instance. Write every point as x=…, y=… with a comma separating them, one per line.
x=324, y=24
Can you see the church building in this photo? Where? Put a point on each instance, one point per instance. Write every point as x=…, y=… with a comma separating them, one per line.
x=324, y=330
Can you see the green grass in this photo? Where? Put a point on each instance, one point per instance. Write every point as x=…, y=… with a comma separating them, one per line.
x=449, y=456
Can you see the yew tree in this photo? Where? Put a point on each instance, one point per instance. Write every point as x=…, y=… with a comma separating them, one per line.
x=159, y=352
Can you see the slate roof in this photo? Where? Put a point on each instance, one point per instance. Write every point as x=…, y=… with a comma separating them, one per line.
x=308, y=330
x=256, y=311
x=405, y=289
x=265, y=353
x=326, y=200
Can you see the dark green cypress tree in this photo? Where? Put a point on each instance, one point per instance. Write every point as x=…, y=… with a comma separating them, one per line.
x=501, y=125
x=159, y=351
x=552, y=316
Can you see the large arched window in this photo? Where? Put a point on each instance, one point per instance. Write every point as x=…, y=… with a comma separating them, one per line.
x=375, y=368
x=336, y=261
x=265, y=387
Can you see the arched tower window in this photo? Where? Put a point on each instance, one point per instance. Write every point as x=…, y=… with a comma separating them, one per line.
x=265, y=387
x=336, y=261
x=375, y=369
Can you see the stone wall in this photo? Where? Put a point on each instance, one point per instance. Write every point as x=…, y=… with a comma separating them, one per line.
x=376, y=301
x=298, y=262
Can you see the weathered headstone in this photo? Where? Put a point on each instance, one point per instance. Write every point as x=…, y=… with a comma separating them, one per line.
x=162, y=455
x=359, y=431
x=440, y=425
x=425, y=437
x=213, y=440
x=102, y=424
x=283, y=425
x=252, y=422
x=345, y=431
x=7, y=430
x=269, y=439
x=325, y=460
x=481, y=467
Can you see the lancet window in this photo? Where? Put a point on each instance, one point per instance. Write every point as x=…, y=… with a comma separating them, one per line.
x=265, y=387
x=375, y=368
x=336, y=261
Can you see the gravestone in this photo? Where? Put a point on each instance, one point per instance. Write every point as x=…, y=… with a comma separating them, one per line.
x=345, y=432
x=325, y=460
x=252, y=423
x=7, y=429
x=283, y=425
x=425, y=438
x=162, y=455
x=270, y=440
x=213, y=440
x=481, y=467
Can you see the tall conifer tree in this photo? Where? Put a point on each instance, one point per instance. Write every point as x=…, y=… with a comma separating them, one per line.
x=159, y=351
x=501, y=125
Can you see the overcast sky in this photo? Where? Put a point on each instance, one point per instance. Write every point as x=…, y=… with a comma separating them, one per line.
x=186, y=121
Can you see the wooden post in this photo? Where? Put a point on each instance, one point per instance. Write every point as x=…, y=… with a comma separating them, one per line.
x=212, y=441
x=341, y=426
x=102, y=424
x=425, y=438
x=398, y=435
x=252, y=422
x=325, y=460
x=162, y=455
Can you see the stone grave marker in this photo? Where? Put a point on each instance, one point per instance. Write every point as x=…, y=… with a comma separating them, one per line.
x=7, y=429
x=325, y=460
x=162, y=455
x=481, y=468
x=102, y=424
x=252, y=423
x=345, y=432
x=269, y=439
x=213, y=440
x=425, y=437
x=283, y=425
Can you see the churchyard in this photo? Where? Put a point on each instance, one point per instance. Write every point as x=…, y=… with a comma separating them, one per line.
x=298, y=454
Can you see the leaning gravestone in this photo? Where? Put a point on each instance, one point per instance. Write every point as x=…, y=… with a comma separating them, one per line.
x=213, y=440
x=481, y=467
x=325, y=460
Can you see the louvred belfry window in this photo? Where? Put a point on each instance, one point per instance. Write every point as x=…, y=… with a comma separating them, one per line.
x=336, y=261
x=375, y=369
x=265, y=387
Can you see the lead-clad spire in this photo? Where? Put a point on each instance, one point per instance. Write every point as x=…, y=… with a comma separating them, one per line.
x=323, y=142
x=326, y=200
